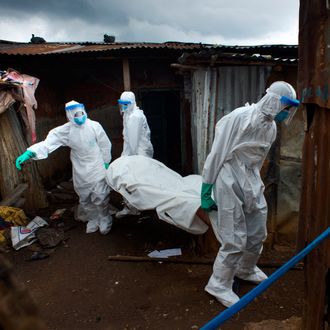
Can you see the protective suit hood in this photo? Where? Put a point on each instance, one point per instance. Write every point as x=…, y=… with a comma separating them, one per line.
x=75, y=113
x=279, y=95
x=127, y=102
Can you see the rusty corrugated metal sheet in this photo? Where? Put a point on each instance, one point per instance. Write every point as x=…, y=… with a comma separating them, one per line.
x=10, y=48
x=315, y=213
x=314, y=217
x=314, y=53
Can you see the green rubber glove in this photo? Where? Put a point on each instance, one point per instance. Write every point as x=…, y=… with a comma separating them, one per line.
x=207, y=203
x=106, y=165
x=23, y=158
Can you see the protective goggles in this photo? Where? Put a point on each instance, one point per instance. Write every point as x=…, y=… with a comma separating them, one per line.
x=75, y=106
x=79, y=114
x=290, y=106
x=124, y=105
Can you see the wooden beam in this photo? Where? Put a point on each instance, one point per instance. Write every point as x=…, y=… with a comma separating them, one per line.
x=197, y=261
x=185, y=67
x=126, y=75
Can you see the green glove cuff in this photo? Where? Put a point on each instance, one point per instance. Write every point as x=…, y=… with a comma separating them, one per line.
x=207, y=203
x=30, y=154
x=206, y=190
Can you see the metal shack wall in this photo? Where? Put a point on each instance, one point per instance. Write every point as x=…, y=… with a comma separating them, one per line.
x=315, y=213
x=313, y=81
x=215, y=93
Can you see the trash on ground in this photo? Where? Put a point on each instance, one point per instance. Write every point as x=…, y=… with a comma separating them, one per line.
x=50, y=237
x=57, y=214
x=165, y=253
x=22, y=236
x=38, y=255
x=10, y=216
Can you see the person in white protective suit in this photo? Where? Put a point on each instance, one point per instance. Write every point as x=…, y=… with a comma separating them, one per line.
x=90, y=156
x=136, y=132
x=136, y=135
x=232, y=171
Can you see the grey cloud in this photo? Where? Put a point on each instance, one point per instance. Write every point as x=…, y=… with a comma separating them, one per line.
x=157, y=19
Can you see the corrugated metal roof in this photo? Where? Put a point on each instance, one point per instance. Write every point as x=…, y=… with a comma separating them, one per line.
x=18, y=48
x=267, y=54
x=13, y=48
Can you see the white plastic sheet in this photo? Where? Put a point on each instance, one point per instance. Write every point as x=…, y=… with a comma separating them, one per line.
x=148, y=184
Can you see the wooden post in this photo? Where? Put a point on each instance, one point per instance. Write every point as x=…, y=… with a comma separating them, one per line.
x=126, y=75
x=12, y=144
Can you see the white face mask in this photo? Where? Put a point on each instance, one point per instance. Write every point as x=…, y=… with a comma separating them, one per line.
x=80, y=117
x=76, y=114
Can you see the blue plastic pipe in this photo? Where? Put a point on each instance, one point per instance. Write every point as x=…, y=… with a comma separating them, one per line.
x=246, y=299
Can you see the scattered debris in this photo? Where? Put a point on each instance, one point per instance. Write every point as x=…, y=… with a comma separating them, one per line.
x=165, y=253
x=22, y=236
x=50, y=237
x=10, y=216
x=57, y=214
x=38, y=255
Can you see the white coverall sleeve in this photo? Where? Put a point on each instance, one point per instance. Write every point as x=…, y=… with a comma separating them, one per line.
x=273, y=138
x=104, y=143
x=55, y=138
x=134, y=131
x=226, y=135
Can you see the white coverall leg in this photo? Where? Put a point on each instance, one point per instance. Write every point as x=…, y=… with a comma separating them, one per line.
x=241, y=232
x=94, y=208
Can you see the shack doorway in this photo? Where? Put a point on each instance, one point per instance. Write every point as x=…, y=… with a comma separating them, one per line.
x=162, y=109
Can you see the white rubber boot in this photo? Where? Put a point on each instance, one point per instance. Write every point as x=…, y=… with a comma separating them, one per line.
x=92, y=226
x=220, y=285
x=248, y=271
x=105, y=225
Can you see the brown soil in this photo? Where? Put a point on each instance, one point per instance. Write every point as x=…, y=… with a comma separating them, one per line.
x=77, y=287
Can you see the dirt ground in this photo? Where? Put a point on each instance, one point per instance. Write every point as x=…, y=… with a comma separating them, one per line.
x=77, y=287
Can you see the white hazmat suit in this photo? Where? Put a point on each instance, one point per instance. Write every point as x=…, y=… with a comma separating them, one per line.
x=136, y=132
x=136, y=135
x=242, y=141
x=90, y=151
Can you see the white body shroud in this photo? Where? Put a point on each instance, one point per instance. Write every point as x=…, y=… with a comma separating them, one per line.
x=148, y=184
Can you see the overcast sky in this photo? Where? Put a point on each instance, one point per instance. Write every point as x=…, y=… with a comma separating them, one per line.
x=227, y=22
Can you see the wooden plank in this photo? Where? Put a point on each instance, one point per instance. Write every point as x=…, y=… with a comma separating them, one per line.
x=197, y=261
x=15, y=195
